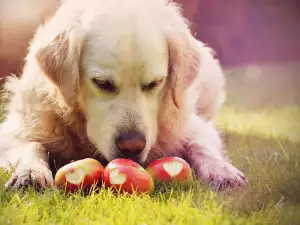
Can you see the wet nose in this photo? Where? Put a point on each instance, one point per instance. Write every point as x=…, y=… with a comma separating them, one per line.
x=131, y=144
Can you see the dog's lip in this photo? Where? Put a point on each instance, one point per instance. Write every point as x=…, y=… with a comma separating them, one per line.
x=102, y=160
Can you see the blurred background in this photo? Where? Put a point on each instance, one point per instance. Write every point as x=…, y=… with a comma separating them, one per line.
x=257, y=42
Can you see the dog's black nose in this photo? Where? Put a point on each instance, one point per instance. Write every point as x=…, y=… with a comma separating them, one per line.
x=131, y=144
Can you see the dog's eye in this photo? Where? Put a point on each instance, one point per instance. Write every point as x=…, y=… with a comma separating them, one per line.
x=104, y=85
x=152, y=85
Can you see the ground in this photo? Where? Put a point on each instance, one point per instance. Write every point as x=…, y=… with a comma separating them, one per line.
x=262, y=140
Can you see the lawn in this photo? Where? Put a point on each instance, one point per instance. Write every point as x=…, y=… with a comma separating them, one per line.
x=262, y=142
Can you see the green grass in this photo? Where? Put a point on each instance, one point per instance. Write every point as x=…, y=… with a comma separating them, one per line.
x=262, y=143
x=262, y=136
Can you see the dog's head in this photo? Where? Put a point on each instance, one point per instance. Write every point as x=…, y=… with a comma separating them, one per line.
x=127, y=69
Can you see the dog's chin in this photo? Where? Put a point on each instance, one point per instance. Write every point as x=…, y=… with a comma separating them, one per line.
x=143, y=157
x=112, y=154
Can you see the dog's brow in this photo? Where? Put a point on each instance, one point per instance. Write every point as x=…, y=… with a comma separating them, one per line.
x=153, y=78
x=103, y=73
x=159, y=74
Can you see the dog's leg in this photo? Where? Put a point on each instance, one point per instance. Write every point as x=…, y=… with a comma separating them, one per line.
x=32, y=168
x=204, y=153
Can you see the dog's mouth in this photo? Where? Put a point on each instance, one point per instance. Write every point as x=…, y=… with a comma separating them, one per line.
x=104, y=161
x=137, y=159
x=117, y=154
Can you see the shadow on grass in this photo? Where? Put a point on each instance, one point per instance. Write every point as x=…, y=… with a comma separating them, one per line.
x=272, y=169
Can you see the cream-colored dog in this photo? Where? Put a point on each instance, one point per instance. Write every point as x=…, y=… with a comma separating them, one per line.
x=109, y=79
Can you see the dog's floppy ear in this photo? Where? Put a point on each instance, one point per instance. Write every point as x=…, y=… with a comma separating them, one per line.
x=184, y=54
x=59, y=59
x=184, y=60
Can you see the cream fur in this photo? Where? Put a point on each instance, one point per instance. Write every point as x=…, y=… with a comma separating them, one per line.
x=56, y=114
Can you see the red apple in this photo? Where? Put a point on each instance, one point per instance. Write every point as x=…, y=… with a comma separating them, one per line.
x=81, y=174
x=170, y=169
x=127, y=176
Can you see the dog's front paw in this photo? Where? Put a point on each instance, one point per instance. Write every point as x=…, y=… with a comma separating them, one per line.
x=219, y=174
x=38, y=176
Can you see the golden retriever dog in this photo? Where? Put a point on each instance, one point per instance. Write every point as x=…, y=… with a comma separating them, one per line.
x=111, y=79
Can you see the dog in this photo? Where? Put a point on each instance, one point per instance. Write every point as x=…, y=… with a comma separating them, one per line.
x=115, y=79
